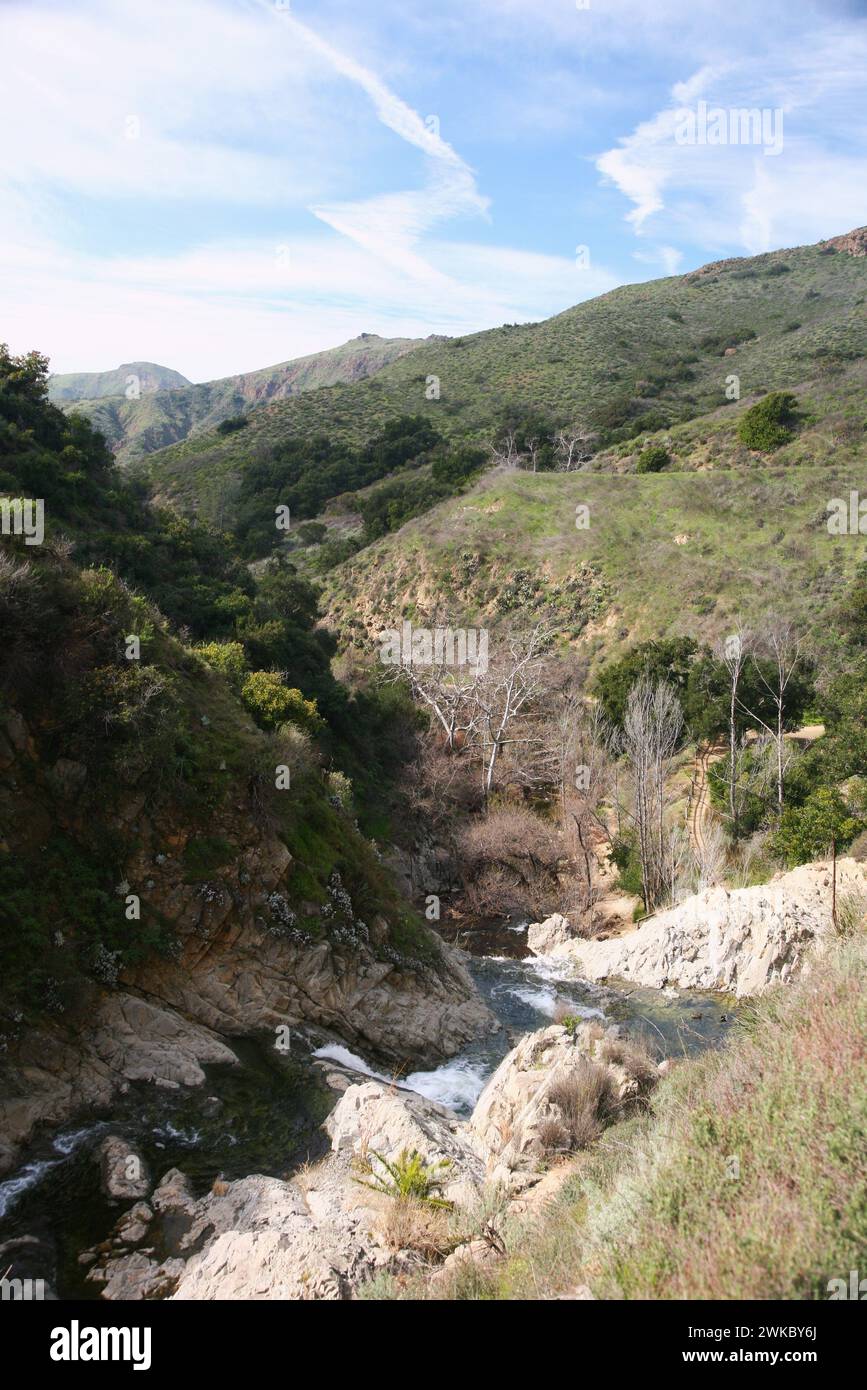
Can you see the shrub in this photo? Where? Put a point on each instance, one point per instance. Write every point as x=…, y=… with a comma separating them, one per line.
x=233, y=423
x=653, y=459
x=271, y=702
x=225, y=657
x=340, y=790
x=509, y=861
x=806, y=832
x=312, y=532
x=765, y=426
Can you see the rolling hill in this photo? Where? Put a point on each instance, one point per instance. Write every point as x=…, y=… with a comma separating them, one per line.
x=663, y=555
x=641, y=358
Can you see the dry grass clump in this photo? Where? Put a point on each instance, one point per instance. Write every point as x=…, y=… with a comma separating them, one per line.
x=407, y=1224
x=584, y=1100
x=634, y=1056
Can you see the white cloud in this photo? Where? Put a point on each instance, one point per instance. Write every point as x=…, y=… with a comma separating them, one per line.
x=729, y=195
x=668, y=258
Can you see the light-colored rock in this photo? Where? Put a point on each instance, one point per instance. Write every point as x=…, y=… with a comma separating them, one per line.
x=123, y=1171
x=269, y=1245
x=509, y=1120
x=146, y=1042
x=258, y=1238
x=544, y=937
x=374, y=1118
x=739, y=941
x=134, y=1224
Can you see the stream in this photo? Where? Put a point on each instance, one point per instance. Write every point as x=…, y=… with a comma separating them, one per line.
x=265, y=1115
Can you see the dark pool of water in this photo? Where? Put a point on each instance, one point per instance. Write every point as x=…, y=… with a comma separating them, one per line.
x=263, y=1116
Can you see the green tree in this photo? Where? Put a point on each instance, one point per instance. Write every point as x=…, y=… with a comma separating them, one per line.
x=668, y=660
x=807, y=832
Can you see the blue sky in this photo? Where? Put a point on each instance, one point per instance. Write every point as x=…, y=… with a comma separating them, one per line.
x=218, y=185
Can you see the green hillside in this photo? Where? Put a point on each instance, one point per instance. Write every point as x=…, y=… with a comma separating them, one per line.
x=672, y=553
x=641, y=358
x=148, y=682
x=164, y=416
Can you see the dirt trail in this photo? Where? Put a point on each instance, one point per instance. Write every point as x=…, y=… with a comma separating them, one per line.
x=700, y=813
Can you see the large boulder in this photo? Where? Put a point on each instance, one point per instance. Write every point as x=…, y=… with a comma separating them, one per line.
x=377, y=1119
x=554, y=1090
x=142, y=1041
x=739, y=941
x=545, y=937
x=123, y=1172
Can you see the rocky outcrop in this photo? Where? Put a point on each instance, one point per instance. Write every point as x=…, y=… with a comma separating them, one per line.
x=545, y=937
x=853, y=243
x=257, y=1238
x=247, y=981
x=57, y=1071
x=739, y=941
x=551, y=1080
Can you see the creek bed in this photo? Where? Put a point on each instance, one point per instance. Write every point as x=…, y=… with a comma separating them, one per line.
x=265, y=1115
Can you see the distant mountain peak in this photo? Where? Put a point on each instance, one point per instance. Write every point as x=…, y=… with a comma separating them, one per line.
x=66, y=387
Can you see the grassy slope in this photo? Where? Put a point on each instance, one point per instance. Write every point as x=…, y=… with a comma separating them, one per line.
x=664, y=1218
x=746, y=1180
x=596, y=352
x=160, y=418
x=752, y=541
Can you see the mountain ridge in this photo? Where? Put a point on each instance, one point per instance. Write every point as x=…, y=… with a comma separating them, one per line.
x=168, y=414
x=640, y=358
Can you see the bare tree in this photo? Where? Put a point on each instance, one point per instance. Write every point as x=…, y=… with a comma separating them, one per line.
x=573, y=445
x=652, y=728
x=733, y=654
x=504, y=451
x=784, y=647
x=507, y=689
x=452, y=696
x=533, y=447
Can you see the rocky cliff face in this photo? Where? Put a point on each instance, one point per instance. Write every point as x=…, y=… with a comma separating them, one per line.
x=739, y=941
x=246, y=956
